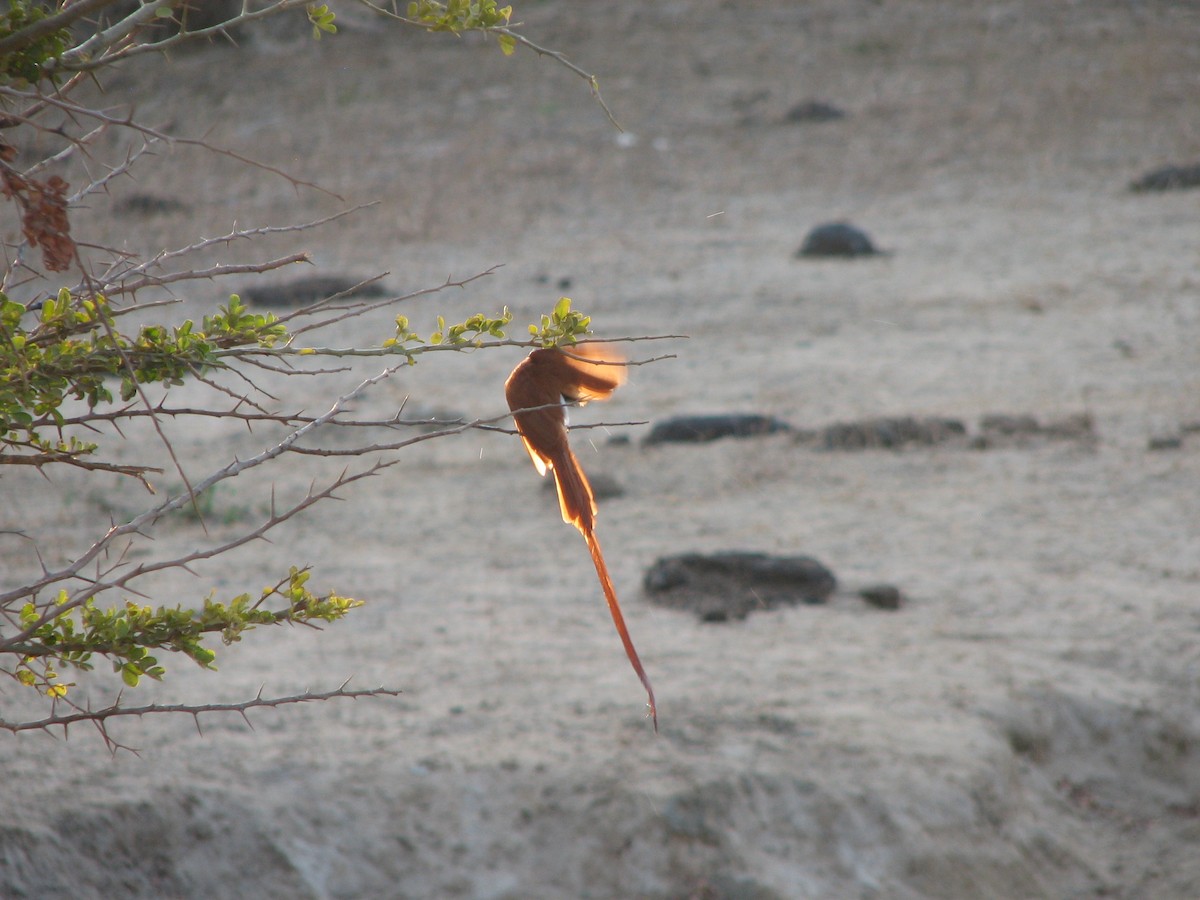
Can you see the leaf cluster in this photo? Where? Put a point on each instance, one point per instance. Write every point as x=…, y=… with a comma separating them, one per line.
x=458, y=16
x=563, y=326
x=126, y=634
x=470, y=332
x=71, y=349
x=322, y=19
x=25, y=64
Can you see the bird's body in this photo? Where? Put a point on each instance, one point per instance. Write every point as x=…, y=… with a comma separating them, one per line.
x=536, y=391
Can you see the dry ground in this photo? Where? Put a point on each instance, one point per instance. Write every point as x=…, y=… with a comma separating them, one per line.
x=1027, y=726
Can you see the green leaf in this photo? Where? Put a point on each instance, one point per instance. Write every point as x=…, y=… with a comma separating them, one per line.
x=322, y=19
x=204, y=656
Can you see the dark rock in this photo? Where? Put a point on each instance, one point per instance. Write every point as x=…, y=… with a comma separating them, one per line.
x=1009, y=426
x=1168, y=178
x=562, y=283
x=995, y=430
x=731, y=585
x=1080, y=426
x=837, y=239
x=1165, y=442
x=699, y=429
x=814, y=111
x=998, y=430
x=890, y=433
x=303, y=291
x=148, y=205
x=882, y=596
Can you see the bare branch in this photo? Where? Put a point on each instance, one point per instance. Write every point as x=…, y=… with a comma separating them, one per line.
x=507, y=31
x=236, y=234
x=115, y=172
x=211, y=272
x=592, y=80
x=44, y=459
x=85, y=112
x=113, y=45
x=258, y=702
x=98, y=44
x=359, y=309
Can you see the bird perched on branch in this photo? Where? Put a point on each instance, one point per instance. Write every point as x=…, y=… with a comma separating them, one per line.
x=537, y=391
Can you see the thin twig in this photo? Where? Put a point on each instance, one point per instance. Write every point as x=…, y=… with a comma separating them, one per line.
x=216, y=271
x=236, y=234
x=258, y=702
x=371, y=306
x=85, y=112
x=508, y=32
x=99, y=51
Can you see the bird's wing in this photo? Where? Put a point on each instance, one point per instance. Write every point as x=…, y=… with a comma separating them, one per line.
x=591, y=371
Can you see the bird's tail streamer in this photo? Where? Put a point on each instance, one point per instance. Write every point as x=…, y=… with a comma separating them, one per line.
x=610, y=594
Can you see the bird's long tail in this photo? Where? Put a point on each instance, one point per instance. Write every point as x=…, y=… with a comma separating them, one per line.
x=578, y=506
x=610, y=594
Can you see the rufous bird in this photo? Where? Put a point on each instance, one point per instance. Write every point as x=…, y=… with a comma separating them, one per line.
x=537, y=391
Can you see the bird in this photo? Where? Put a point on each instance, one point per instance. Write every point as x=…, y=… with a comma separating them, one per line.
x=537, y=392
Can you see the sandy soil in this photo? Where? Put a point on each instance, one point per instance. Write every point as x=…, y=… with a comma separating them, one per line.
x=1028, y=725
